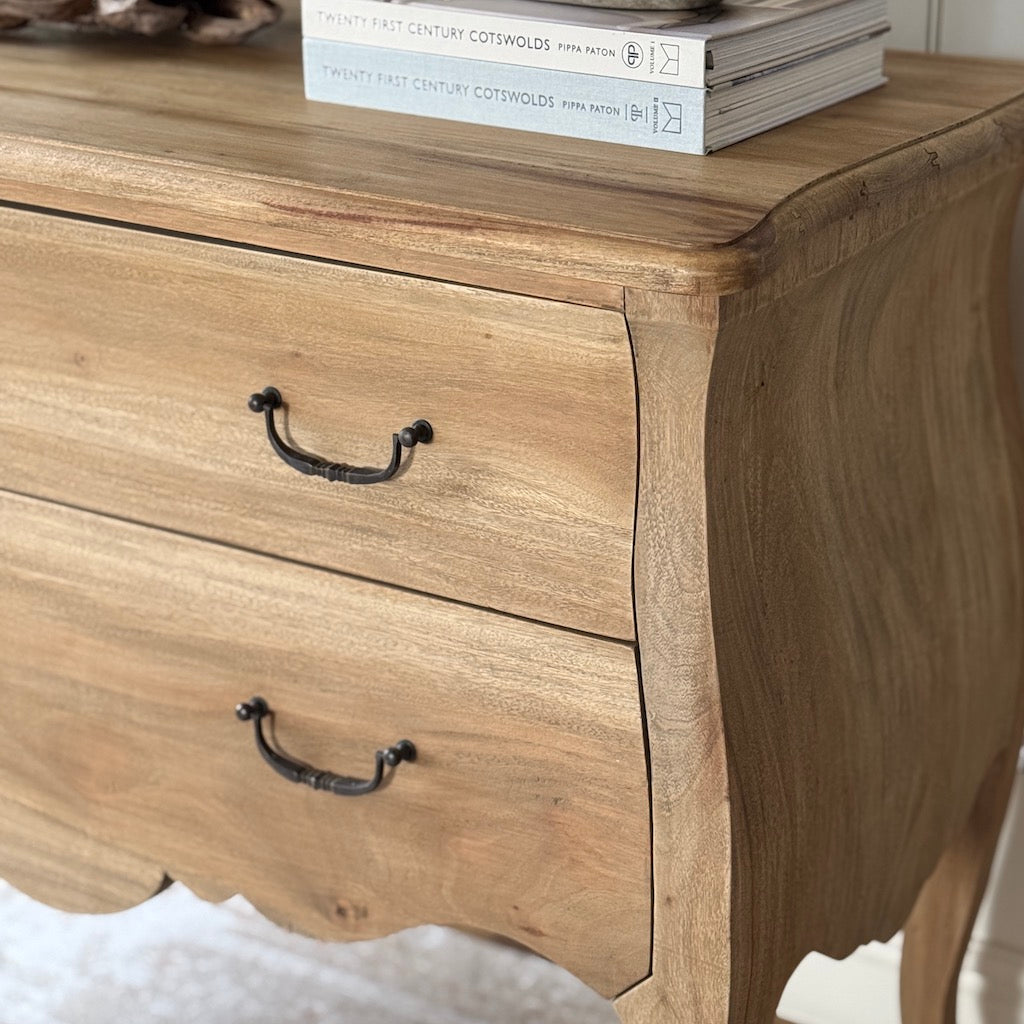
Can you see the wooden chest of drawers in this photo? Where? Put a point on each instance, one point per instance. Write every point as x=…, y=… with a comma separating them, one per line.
x=699, y=603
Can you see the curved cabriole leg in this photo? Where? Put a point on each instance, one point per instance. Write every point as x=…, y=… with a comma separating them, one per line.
x=939, y=929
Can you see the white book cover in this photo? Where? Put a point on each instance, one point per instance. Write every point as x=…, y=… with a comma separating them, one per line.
x=693, y=49
x=678, y=118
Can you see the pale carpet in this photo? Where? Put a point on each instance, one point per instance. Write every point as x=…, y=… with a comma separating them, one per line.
x=177, y=960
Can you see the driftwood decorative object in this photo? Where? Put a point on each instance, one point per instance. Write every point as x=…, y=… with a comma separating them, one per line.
x=204, y=21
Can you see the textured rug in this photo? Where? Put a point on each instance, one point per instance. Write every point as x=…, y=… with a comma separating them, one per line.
x=177, y=960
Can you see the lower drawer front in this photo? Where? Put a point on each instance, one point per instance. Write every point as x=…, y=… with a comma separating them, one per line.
x=123, y=652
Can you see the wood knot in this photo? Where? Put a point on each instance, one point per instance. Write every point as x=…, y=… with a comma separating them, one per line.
x=349, y=912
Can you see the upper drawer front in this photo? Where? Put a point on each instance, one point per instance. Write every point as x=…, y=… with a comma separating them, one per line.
x=129, y=357
x=124, y=650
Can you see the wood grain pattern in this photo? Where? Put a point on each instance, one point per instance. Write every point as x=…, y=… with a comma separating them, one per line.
x=939, y=929
x=867, y=580
x=828, y=560
x=173, y=148
x=128, y=359
x=673, y=343
x=45, y=853
x=858, y=439
x=525, y=813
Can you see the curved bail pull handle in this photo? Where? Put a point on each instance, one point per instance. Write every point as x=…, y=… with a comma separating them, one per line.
x=255, y=710
x=269, y=399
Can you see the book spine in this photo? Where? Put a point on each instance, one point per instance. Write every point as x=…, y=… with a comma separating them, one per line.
x=484, y=92
x=504, y=39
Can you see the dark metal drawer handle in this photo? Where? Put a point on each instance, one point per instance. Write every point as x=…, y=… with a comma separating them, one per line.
x=255, y=710
x=269, y=399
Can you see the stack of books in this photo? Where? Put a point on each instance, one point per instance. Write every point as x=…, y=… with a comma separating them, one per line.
x=688, y=81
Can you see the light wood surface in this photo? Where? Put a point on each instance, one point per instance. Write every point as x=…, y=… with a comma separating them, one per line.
x=673, y=341
x=939, y=929
x=862, y=456
x=827, y=557
x=867, y=579
x=82, y=130
x=524, y=814
x=128, y=359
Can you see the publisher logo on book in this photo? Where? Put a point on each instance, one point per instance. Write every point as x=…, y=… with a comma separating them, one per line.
x=669, y=59
x=668, y=117
x=632, y=55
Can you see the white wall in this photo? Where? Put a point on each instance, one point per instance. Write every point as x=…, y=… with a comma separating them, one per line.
x=865, y=988
x=984, y=28
x=913, y=23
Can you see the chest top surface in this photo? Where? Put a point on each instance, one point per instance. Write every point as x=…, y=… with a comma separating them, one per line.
x=221, y=142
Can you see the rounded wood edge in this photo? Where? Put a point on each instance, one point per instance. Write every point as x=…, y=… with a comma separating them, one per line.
x=495, y=253
x=832, y=219
x=865, y=202
x=877, y=197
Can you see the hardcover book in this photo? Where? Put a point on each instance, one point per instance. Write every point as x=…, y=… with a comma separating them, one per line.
x=672, y=117
x=682, y=48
